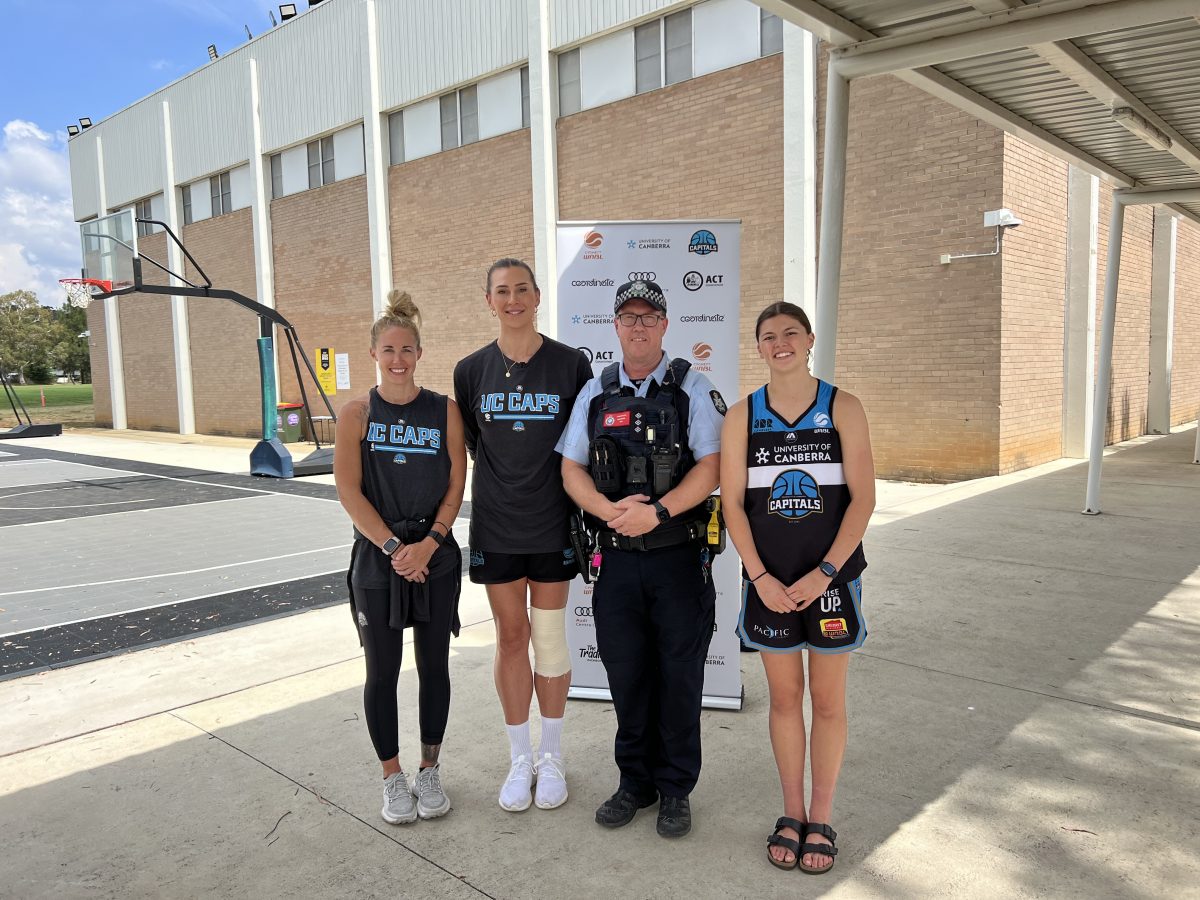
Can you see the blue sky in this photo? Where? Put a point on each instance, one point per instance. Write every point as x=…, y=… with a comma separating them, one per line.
x=119, y=51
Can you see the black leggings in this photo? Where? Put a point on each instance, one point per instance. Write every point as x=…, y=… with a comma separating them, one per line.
x=384, y=649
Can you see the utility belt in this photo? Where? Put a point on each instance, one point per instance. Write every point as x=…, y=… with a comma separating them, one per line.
x=659, y=539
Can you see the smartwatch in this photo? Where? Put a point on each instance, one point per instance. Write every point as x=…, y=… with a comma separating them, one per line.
x=828, y=568
x=391, y=545
x=662, y=512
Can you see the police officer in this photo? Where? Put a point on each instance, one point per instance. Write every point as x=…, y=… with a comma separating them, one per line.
x=641, y=455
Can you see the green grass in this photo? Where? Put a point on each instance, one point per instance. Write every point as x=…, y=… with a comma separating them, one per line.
x=56, y=395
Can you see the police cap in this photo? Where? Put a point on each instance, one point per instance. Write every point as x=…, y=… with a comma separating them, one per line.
x=641, y=286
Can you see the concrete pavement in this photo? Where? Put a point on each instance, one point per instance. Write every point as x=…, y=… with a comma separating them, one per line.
x=1025, y=721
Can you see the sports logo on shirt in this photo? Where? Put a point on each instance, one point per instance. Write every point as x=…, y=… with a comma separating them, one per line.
x=822, y=421
x=834, y=629
x=794, y=495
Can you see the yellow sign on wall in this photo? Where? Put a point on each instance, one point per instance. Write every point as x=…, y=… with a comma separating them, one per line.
x=326, y=372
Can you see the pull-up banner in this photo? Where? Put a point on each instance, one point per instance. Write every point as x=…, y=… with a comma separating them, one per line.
x=697, y=264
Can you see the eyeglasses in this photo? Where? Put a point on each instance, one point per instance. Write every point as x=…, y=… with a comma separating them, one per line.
x=647, y=319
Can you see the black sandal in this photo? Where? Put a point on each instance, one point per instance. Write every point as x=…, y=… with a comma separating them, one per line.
x=829, y=849
x=778, y=840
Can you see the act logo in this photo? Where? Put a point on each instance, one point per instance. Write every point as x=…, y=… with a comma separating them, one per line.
x=597, y=355
x=794, y=495
x=694, y=281
x=703, y=242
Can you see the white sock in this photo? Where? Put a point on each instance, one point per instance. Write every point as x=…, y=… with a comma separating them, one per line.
x=519, y=742
x=551, y=735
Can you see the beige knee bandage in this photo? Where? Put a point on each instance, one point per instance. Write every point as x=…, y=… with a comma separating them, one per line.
x=548, y=634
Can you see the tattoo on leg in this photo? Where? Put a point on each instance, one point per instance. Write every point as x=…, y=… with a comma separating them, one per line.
x=429, y=753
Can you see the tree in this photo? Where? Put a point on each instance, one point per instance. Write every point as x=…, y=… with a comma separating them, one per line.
x=70, y=350
x=26, y=332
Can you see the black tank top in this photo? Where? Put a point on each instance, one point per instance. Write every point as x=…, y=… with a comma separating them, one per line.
x=405, y=475
x=796, y=493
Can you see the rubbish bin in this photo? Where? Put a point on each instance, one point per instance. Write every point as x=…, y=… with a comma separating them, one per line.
x=287, y=421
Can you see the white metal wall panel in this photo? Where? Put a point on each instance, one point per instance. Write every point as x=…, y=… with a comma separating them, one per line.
x=241, y=187
x=606, y=69
x=500, y=104
x=427, y=46
x=724, y=34
x=573, y=21
x=210, y=117
x=133, y=152
x=201, y=200
x=311, y=73
x=348, y=158
x=158, y=210
x=295, y=169
x=422, y=129
x=85, y=183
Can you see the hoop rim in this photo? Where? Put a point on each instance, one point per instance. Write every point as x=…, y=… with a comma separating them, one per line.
x=104, y=286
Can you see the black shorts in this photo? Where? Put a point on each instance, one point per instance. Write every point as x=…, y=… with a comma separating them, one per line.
x=501, y=568
x=833, y=623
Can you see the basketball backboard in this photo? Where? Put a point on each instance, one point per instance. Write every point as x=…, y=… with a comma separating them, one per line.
x=109, y=249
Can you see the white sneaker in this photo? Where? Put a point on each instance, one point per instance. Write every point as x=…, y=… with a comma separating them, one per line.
x=399, y=807
x=551, y=782
x=517, y=792
x=431, y=799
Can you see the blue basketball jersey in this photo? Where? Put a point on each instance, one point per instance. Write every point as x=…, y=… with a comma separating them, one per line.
x=796, y=492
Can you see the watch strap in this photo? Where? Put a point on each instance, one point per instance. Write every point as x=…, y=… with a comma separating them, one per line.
x=437, y=536
x=661, y=511
x=828, y=568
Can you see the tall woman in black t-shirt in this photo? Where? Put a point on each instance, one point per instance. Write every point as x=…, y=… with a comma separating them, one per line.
x=798, y=488
x=400, y=467
x=516, y=395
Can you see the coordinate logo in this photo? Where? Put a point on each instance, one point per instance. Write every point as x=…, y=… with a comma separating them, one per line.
x=703, y=242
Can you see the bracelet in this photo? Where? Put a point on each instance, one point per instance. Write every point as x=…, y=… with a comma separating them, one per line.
x=760, y=575
x=437, y=536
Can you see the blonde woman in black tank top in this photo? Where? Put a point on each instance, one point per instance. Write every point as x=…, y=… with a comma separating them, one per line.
x=400, y=468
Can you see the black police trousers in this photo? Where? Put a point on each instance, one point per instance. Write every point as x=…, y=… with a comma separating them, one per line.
x=654, y=612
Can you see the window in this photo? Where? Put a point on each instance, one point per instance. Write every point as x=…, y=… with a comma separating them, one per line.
x=320, y=162
x=468, y=115
x=770, y=33
x=570, y=97
x=143, y=210
x=276, y=176
x=647, y=43
x=218, y=188
x=524, y=96
x=449, y=121
x=395, y=138
x=186, y=191
x=678, y=46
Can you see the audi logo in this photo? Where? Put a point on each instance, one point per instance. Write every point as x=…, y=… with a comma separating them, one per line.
x=643, y=276
x=585, y=611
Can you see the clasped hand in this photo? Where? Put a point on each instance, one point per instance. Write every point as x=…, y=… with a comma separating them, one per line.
x=633, y=516
x=411, y=561
x=782, y=598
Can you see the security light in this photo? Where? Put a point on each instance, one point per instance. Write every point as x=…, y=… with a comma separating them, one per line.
x=72, y=130
x=85, y=122
x=212, y=51
x=287, y=11
x=1125, y=116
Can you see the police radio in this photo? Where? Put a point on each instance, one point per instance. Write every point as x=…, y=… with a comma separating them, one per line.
x=664, y=458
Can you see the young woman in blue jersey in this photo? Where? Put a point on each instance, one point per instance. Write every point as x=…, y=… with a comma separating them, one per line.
x=516, y=394
x=798, y=488
x=400, y=467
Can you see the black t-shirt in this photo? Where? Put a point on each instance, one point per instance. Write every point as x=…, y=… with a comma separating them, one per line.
x=513, y=415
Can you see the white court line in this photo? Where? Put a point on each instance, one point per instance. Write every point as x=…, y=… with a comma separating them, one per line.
x=252, y=587
x=246, y=562
x=54, y=490
x=127, y=512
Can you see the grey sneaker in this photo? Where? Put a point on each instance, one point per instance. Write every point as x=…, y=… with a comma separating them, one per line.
x=431, y=799
x=399, y=808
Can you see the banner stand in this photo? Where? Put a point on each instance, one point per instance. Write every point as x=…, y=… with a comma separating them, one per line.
x=698, y=266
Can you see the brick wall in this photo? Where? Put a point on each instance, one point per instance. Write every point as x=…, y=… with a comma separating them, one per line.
x=1185, y=348
x=919, y=342
x=1034, y=260
x=224, y=353
x=452, y=215
x=98, y=350
x=148, y=346
x=1127, y=399
x=323, y=283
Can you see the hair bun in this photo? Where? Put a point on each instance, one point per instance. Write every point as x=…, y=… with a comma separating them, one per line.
x=401, y=306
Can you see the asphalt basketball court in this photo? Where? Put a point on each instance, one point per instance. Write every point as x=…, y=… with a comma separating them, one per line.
x=103, y=555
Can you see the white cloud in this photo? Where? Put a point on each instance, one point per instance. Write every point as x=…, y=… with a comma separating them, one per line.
x=39, y=240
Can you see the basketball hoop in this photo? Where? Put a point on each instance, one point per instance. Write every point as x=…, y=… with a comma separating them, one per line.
x=82, y=291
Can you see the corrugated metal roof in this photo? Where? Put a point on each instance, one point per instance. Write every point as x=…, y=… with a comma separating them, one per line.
x=1060, y=91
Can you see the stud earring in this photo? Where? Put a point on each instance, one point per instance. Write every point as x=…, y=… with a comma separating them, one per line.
x=493, y=313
